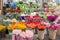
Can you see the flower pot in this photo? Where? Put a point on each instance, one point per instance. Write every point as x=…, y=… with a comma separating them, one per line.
x=52, y=34
x=41, y=34
x=58, y=31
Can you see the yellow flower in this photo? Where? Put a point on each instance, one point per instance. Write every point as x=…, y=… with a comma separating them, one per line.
x=21, y=25
x=11, y=27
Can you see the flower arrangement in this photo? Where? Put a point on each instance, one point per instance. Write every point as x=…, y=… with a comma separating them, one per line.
x=41, y=26
x=31, y=24
x=22, y=35
x=21, y=25
x=11, y=27
x=52, y=18
x=53, y=26
x=16, y=25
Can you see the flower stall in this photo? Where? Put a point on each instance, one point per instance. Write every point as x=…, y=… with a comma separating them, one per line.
x=26, y=20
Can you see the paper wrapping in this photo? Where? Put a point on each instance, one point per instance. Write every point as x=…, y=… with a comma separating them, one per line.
x=17, y=37
x=52, y=34
x=58, y=31
x=41, y=34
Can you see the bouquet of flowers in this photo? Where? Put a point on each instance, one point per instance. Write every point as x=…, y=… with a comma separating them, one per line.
x=52, y=18
x=21, y=25
x=52, y=30
x=22, y=35
x=41, y=28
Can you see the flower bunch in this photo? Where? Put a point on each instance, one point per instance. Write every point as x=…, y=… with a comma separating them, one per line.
x=11, y=27
x=41, y=26
x=31, y=24
x=52, y=17
x=22, y=35
x=21, y=25
x=53, y=26
x=2, y=28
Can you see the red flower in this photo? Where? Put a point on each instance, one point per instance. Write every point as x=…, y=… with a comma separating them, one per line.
x=18, y=10
x=46, y=10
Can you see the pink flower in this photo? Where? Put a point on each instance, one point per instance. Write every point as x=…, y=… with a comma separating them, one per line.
x=29, y=34
x=13, y=37
x=16, y=31
x=23, y=34
x=47, y=24
x=58, y=18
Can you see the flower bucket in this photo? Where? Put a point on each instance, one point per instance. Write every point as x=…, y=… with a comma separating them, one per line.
x=2, y=34
x=58, y=31
x=41, y=34
x=52, y=34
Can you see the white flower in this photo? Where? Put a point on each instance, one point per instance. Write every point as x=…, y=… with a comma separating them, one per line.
x=14, y=20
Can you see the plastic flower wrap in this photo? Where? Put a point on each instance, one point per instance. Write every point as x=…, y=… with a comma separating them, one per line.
x=2, y=28
x=29, y=35
x=21, y=25
x=52, y=17
x=15, y=34
x=58, y=21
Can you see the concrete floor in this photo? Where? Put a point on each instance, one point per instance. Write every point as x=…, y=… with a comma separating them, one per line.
x=35, y=38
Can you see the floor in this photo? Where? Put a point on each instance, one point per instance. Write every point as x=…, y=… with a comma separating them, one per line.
x=35, y=38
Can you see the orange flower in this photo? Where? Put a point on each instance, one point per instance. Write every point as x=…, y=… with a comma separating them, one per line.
x=2, y=27
x=31, y=25
x=41, y=26
x=21, y=22
x=11, y=27
x=14, y=23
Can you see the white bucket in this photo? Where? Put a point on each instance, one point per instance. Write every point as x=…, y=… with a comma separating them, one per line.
x=58, y=31
x=52, y=34
x=40, y=35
